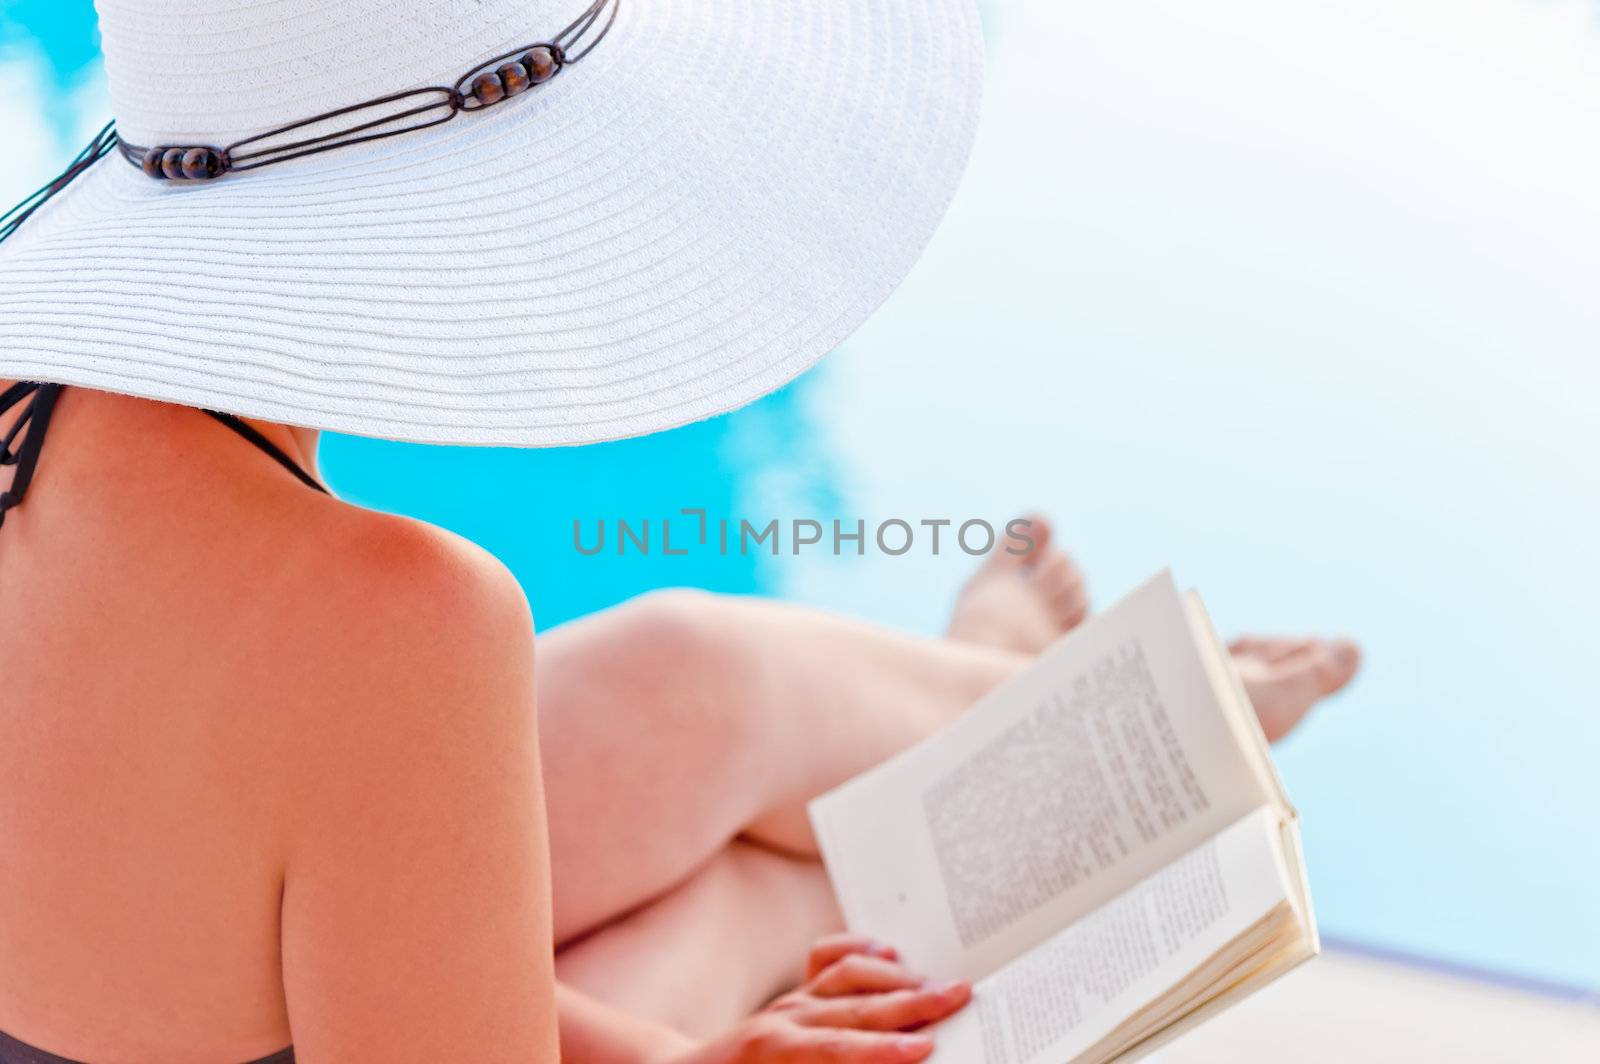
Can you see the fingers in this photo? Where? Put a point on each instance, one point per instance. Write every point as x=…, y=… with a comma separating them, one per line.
x=898, y=1010
x=857, y=1007
x=828, y=951
x=861, y=974
x=784, y=1042
x=823, y=1045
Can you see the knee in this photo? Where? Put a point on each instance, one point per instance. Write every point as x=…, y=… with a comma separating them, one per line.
x=685, y=643
x=675, y=626
x=690, y=659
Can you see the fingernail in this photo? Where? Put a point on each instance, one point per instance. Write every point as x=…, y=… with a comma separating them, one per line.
x=881, y=949
x=944, y=986
x=913, y=1043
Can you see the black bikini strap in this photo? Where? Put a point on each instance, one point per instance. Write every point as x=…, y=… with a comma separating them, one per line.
x=8, y=399
x=36, y=419
x=25, y=457
x=271, y=449
x=37, y=415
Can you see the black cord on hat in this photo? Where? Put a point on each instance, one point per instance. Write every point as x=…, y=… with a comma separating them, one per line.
x=490, y=82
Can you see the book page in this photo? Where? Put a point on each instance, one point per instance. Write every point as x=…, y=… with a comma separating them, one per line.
x=1060, y=999
x=1105, y=760
x=1235, y=700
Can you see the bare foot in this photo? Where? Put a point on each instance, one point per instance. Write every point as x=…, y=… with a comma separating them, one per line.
x=1286, y=677
x=1022, y=602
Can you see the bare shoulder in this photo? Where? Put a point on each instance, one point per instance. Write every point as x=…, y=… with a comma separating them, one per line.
x=403, y=626
x=388, y=570
x=416, y=898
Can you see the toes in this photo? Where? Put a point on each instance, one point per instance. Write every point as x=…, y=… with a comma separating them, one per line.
x=1338, y=664
x=1269, y=648
x=1042, y=531
x=1039, y=593
x=1057, y=576
x=1074, y=613
x=1322, y=667
x=1003, y=555
x=1285, y=690
x=1061, y=583
x=1052, y=571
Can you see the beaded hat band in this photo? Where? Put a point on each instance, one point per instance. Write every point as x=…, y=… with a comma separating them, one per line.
x=717, y=198
x=485, y=85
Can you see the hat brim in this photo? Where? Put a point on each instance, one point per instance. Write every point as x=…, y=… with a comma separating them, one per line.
x=685, y=221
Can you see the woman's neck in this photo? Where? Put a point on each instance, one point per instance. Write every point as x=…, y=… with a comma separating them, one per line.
x=108, y=417
x=293, y=440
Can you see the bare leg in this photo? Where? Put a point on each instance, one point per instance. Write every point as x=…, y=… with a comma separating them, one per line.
x=772, y=906
x=680, y=721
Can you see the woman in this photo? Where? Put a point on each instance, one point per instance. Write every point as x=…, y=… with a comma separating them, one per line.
x=237, y=809
x=270, y=770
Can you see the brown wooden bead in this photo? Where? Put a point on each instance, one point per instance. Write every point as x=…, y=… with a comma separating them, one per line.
x=541, y=64
x=514, y=78
x=172, y=163
x=487, y=88
x=201, y=164
x=151, y=163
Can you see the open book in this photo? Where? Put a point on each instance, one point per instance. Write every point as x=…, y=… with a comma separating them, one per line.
x=1102, y=846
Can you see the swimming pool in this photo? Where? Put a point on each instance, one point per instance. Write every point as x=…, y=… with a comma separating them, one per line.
x=1296, y=298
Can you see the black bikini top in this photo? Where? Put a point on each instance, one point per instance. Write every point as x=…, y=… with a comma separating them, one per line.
x=36, y=419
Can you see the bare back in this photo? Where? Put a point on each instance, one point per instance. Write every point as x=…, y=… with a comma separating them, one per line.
x=195, y=674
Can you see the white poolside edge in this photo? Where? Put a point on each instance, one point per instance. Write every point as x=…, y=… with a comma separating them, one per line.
x=1359, y=1004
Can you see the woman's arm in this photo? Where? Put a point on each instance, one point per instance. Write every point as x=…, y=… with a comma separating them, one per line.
x=416, y=900
x=858, y=1006
x=596, y=1033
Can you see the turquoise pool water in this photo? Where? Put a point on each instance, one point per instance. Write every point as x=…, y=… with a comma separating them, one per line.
x=1296, y=298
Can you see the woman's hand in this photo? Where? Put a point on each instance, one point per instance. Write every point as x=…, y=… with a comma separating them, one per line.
x=857, y=1006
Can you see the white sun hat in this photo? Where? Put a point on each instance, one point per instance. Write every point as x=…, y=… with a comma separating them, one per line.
x=684, y=220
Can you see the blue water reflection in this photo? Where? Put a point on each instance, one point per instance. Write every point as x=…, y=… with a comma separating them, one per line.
x=523, y=504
